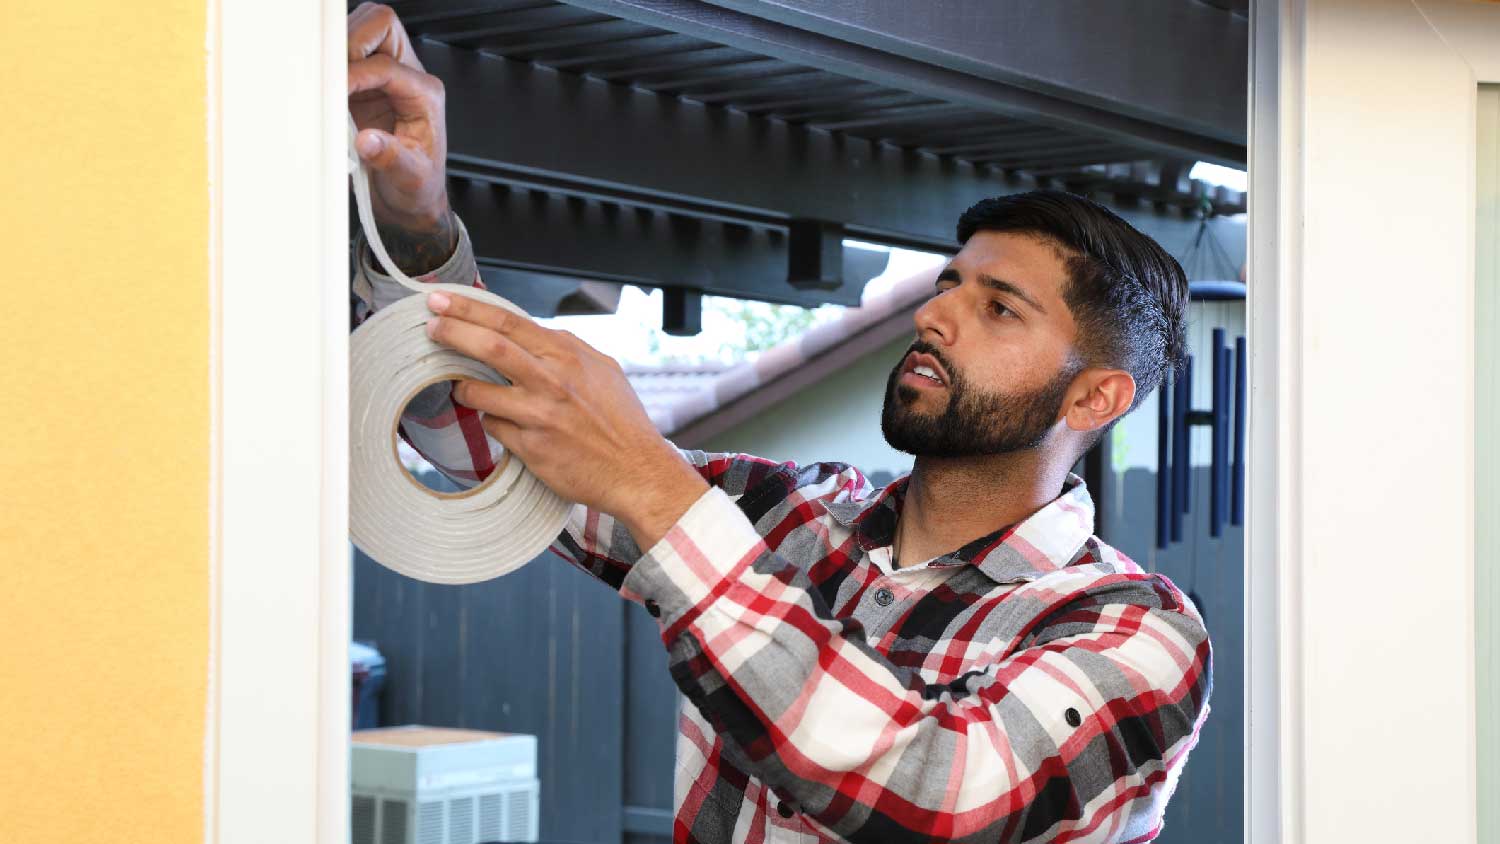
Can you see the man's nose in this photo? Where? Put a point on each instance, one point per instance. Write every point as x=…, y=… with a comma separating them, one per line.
x=934, y=320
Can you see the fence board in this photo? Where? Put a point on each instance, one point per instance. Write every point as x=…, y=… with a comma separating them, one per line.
x=539, y=651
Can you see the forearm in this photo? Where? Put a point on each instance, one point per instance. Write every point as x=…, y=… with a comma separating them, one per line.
x=447, y=435
x=671, y=489
x=375, y=290
x=418, y=250
x=607, y=547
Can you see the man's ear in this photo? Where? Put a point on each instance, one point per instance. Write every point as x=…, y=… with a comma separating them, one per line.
x=1098, y=397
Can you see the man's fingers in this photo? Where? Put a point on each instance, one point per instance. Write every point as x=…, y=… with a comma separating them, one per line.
x=532, y=337
x=375, y=28
x=412, y=93
x=500, y=352
x=505, y=431
x=501, y=400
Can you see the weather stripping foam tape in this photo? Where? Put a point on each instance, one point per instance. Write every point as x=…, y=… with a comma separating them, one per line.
x=437, y=537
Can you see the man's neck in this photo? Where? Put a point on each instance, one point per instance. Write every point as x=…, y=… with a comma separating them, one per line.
x=951, y=502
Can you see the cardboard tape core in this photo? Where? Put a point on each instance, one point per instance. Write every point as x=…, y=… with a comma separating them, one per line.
x=500, y=464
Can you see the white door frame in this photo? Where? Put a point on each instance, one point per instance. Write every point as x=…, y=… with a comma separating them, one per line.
x=1311, y=693
x=276, y=751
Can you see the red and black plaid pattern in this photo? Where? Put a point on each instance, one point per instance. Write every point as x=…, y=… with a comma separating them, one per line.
x=1033, y=685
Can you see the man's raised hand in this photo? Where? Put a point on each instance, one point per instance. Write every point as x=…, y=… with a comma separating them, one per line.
x=403, y=140
x=570, y=414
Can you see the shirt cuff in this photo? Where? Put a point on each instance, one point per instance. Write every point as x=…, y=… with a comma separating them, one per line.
x=460, y=268
x=708, y=550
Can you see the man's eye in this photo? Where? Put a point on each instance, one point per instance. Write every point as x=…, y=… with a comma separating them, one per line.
x=999, y=309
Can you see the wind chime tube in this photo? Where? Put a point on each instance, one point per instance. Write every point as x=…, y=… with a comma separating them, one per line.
x=1222, y=410
x=1181, y=471
x=1220, y=427
x=1164, y=398
x=1241, y=410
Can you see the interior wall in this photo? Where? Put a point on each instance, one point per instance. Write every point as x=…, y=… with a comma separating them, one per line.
x=1487, y=464
x=104, y=440
x=1376, y=426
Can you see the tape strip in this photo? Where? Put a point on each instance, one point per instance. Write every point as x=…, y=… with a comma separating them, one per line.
x=440, y=538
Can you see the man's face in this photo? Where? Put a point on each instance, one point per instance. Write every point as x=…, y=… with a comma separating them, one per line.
x=992, y=361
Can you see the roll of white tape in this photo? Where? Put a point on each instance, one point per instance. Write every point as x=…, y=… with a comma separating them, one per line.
x=436, y=537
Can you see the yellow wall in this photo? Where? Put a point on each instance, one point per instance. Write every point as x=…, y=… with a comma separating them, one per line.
x=104, y=421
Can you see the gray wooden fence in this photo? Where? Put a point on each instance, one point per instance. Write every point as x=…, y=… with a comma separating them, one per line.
x=545, y=650
x=1208, y=807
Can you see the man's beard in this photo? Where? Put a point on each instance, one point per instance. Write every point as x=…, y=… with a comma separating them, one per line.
x=975, y=423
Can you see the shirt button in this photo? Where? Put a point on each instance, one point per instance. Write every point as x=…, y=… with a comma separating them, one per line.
x=1074, y=719
x=884, y=597
x=783, y=809
x=654, y=609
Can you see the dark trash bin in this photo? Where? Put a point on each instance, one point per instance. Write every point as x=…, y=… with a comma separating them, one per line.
x=367, y=667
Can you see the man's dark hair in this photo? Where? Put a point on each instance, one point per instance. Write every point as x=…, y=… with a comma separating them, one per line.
x=1127, y=294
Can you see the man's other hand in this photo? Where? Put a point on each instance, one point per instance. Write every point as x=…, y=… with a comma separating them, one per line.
x=402, y=139
x=570, y=414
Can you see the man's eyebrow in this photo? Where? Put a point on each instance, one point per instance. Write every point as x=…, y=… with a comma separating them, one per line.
x=1000, y=284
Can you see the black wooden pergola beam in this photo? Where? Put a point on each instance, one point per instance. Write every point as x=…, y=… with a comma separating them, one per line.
x=1088, y=67
x=522, y=124
x=578, y=237
x=1178, y=63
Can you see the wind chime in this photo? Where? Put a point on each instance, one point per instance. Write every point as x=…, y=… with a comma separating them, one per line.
x=1205, y=259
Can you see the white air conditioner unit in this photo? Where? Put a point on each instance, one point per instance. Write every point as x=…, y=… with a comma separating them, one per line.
x=432, y=785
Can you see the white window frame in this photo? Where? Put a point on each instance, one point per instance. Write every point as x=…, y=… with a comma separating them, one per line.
x=1308, y=778
x=277, y=738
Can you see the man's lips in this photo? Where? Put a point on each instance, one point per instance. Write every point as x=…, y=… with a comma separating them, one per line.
x=922, y=370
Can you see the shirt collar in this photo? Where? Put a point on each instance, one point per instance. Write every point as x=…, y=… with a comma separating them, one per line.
x=1045, y=541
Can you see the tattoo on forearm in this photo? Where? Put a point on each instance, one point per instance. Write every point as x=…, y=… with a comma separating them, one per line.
x=418, y=252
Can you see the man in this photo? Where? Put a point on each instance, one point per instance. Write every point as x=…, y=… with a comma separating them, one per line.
x=952, y=657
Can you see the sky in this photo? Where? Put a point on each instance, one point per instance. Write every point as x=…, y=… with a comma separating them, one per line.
x=1216, y=174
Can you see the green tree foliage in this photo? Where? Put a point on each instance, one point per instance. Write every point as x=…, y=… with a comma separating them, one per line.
x=740, y=326
x=766, y=325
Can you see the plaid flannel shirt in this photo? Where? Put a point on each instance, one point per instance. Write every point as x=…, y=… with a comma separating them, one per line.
x=1033, y=685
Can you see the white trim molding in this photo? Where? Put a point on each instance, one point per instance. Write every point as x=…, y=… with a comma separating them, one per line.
x=277, y=750
x=1361, y=651
x=1273, y=724
x=1487, y=462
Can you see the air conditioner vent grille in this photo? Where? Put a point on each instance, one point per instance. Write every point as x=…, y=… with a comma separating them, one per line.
x=518, y=815
x=430, y=823
x=362, y=820
x=393, y=822
x=489, y=817
x=461, y=821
